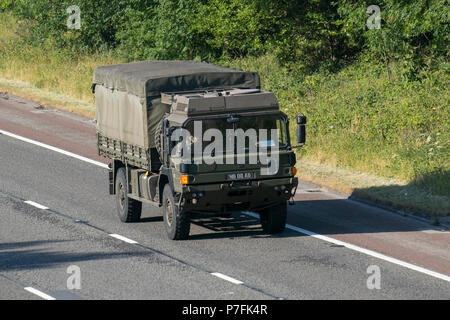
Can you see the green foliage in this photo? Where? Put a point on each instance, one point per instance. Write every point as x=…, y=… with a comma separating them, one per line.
x=161, y=30
x=307, y=36
x=99, y=22
x=6, y=4
x=310, y=37
x=413, y=32
x=234, y=28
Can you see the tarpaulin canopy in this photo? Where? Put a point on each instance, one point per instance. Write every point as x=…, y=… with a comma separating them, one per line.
x=150, y=78
x=128, y=96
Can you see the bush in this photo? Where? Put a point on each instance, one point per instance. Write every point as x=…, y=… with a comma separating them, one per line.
x=162, y=30
x=416, y=33
x=307, y=36
x=99, y=22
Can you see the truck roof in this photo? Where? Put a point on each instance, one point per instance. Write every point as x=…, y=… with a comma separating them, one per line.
x=207, y=102
x=151, y=78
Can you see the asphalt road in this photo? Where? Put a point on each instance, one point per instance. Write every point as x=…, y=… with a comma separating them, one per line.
x=38, y=245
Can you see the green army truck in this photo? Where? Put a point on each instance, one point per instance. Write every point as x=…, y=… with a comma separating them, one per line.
x=141, y=109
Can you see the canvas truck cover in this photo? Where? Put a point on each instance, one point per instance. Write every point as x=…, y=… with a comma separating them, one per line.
x=128, y=96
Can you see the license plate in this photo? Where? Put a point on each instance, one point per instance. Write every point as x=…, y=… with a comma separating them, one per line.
x=240, y=176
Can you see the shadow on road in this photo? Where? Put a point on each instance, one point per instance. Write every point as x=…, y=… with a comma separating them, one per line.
x=237, y=225
x=32, y=255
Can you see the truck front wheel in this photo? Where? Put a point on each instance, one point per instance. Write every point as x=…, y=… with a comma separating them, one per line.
x=273, y=219
x=129, y=210
x=177, y=222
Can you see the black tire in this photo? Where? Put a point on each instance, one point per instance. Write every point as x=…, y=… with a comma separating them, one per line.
x=176, y=222
x=273, y=219
x=158, y=142
x=129, y=210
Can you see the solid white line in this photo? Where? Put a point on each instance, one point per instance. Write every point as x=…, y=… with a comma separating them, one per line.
x=35, y=204
x=118, y=236
x=39, y=293
x=227, y=278
x=365, y=251
x=49, y=147
x=436, y=232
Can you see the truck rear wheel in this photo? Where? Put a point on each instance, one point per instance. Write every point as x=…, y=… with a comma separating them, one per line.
x=177, y=223
x=129, y=210
x=273, y=219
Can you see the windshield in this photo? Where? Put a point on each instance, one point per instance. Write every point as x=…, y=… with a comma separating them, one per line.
x=247, y=129
x=273, y=122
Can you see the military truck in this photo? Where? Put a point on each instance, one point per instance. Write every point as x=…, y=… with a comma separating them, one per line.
x=139, y=108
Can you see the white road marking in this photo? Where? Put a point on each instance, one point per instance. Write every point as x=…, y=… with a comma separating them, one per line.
x=304, y=231
x=436, y=231
x=37, y=205
x=49, y=147
x=365, y=251
x=39, y=293
x=227, y=278
x=118, y=236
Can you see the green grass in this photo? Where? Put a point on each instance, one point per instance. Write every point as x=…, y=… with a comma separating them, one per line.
x=57, y=76
x=358, y=119
x=388, y=191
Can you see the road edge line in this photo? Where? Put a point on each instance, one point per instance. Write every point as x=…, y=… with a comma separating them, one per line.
x=226, y=278
x=52, y=148
x=39, y=293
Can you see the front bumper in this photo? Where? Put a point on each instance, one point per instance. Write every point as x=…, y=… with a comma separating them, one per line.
x=238, y=195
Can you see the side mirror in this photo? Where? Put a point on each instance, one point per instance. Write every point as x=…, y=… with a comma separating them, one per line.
x=301, y=129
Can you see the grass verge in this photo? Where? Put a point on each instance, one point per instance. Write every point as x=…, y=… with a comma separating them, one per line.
x=397, y=194
x=46, y=97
